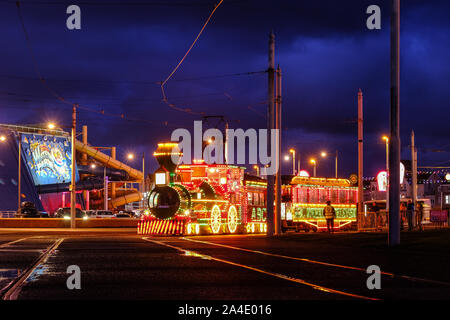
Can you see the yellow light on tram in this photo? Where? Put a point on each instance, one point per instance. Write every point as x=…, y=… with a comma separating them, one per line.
x=2, y=138
x=51, y=126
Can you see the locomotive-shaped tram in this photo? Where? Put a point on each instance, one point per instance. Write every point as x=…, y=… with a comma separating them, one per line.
x=202, y=198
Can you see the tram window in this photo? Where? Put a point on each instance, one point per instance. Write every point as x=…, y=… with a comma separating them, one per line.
x=249, y=198
x=313, y=195
x=334, y=196
x=256, y=198
x=342, y=196
x=323, y=195
x=262, y=201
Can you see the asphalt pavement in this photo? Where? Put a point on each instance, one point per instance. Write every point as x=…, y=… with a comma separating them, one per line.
x=118, y=264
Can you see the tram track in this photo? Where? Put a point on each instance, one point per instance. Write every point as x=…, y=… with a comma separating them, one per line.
x=12, y=290
x=296, y=280
x=390, y=274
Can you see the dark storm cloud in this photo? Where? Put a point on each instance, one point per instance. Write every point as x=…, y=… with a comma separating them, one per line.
x=323, y=47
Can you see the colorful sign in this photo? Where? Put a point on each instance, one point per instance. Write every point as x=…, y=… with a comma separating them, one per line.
x=48, y=158
x=382, y=181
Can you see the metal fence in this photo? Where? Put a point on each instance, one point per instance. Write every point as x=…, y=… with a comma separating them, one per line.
x=7, y=214
x=432, y=219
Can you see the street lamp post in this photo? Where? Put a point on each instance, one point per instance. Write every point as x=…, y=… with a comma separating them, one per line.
x=105, y=188
x=386, y=139
x=143, y=180
x=293, y=160
x=324, y=154
x=314, y=163
x=130, y=156
x=336, y=164
x=257, y=169
x=19, y=175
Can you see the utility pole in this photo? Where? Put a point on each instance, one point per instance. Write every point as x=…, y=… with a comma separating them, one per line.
x=19, y=176
x=278, y=156
x=394, y=141
x=84, y=162
x=73, y=193
x=414, y=173
x=270, y=126
x=113, y=184
x=105, y=189
x=360, y=157
x=143, y=180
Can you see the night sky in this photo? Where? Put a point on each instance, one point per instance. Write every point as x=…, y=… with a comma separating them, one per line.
x=326, y=53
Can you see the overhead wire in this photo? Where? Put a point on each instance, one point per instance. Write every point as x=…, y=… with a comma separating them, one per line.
x=163, y=83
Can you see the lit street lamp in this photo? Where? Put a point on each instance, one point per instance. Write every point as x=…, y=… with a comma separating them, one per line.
x=385, y=138
x=257, y=169
x=293, y=160
x=324, y=154
x=314, y=163
x=130, y=156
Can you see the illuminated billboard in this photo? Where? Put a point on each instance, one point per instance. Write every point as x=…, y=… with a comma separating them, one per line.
x=48, y=158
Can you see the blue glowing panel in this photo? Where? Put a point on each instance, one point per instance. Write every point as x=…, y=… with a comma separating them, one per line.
x=48, y=158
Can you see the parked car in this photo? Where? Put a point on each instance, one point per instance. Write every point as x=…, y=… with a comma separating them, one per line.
x=65, y=213
x=103, y=214
x=124, y=214
x=90, y=213
x=28, y=210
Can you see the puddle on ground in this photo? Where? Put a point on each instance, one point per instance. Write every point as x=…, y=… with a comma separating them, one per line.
x=39, y=270
x=195, y=254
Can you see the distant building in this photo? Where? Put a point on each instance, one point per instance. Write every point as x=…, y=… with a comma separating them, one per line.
x=431, y=184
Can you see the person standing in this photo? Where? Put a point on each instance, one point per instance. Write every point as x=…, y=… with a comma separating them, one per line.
x=420, y=215
x=330, y=215
x=376, y=209
x=409, y=213
x=402, y=215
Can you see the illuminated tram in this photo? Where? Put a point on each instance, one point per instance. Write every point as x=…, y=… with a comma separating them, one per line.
x=307, y=196
x=203, y=198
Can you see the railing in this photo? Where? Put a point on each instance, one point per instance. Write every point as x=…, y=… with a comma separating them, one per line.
x=7, y=214
x=370, y=221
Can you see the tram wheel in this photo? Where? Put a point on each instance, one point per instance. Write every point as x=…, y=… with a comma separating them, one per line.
x=216, y=219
